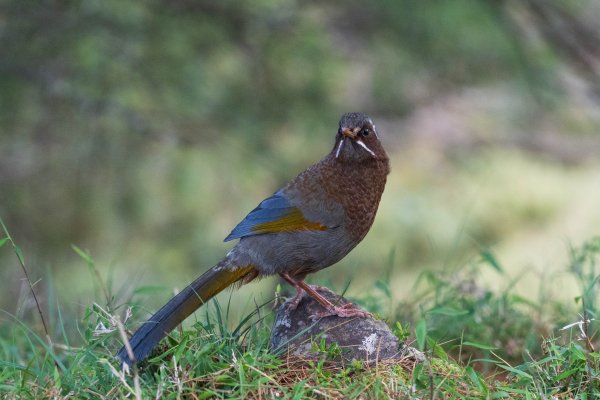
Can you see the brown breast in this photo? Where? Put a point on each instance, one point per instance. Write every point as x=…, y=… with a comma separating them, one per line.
x=358, y=188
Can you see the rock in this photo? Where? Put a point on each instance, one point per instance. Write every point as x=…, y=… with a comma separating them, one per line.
x=358, y=338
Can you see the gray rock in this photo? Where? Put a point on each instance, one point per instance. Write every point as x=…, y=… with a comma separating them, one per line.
x=359, y=338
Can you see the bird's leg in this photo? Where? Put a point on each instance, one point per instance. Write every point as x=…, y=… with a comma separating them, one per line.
x=293, y=304
x=300, y=285
x=299, y=292
x=347, y=310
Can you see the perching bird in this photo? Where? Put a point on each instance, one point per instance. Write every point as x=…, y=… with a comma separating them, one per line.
x=310, y=224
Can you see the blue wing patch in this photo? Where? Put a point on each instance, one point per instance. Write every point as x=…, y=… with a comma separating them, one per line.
x=274, y=214
x=269, y=210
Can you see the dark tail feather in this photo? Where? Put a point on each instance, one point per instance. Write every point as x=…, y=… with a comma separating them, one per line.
x=179, y=308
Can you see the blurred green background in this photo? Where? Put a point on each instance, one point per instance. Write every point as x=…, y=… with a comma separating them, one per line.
x=143, y=131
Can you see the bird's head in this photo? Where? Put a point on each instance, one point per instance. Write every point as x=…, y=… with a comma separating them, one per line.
x=357, y=139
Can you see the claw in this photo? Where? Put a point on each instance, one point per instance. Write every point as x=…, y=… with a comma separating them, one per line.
x=294, y=301
x=348, y=310
x=345, y=311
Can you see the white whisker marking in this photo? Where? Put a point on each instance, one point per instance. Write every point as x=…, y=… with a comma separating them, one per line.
x=374, y=128
x=339, y=148
x=364, y=146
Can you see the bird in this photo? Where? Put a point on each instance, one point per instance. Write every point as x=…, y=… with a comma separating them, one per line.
x=311, y=223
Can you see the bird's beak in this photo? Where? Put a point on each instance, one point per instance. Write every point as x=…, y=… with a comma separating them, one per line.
x=350, y=133
x=353, y=135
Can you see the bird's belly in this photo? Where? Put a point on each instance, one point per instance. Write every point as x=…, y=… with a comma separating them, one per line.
x=294, y=252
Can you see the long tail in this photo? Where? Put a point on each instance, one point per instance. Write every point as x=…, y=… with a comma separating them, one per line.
x=179, y=308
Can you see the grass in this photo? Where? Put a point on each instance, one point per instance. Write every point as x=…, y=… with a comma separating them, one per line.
x=478, y=343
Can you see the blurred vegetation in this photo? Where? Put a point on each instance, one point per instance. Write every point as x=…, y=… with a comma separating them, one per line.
x=477, y=343
x=143, y=131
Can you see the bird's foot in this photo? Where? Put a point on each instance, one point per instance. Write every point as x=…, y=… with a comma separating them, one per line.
x=295, y=301
x=348, y=310
x=319, y=288
x=300, y=294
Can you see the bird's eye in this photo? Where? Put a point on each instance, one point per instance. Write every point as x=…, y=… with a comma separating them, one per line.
x=365, y=132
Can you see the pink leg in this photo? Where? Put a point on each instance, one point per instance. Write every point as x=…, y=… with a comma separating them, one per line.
x=347, y=310
x=299, y=292
x=296, y=299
